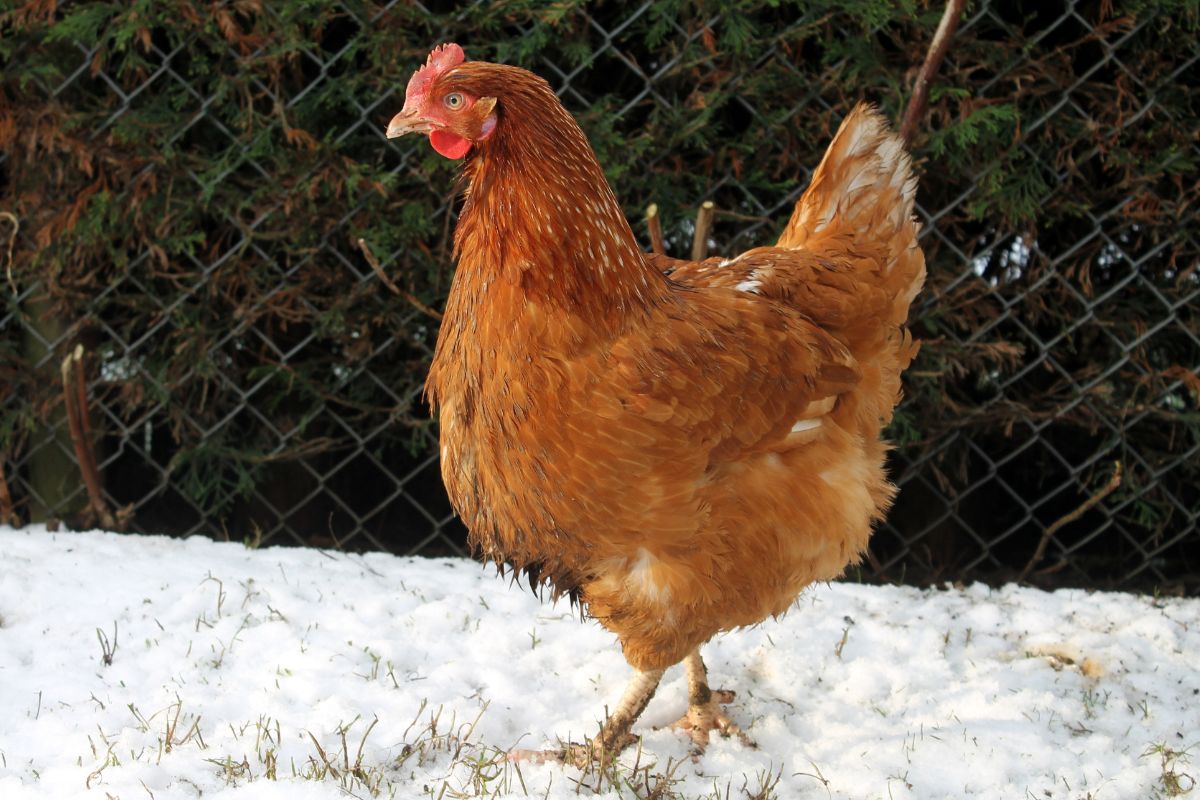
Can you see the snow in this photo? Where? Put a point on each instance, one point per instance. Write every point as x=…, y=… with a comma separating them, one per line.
x=241, y=673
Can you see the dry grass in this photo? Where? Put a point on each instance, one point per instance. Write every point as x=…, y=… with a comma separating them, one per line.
x=1173, y=780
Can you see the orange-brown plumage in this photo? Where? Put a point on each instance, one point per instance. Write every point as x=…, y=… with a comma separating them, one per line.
x=686, y=452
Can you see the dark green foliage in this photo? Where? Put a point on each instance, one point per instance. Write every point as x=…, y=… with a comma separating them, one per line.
x=191, y=180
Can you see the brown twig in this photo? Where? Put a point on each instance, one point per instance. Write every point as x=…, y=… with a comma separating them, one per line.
x=8, y=516
x=655, y=225
x=10, y=217
x=720, y=212
x=75, y=399
x=1066, y=519
x=933, y=59
x=409, y=296
x=704, y=218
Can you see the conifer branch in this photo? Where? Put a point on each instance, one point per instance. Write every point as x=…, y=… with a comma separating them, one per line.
x=409, y=296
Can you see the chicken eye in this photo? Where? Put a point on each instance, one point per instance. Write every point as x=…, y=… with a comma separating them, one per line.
x=453, y=101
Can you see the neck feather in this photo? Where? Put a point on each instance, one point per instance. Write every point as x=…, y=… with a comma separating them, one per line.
x=541, y=218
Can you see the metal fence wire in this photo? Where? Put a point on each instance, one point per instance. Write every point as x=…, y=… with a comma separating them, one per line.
x=190, y=216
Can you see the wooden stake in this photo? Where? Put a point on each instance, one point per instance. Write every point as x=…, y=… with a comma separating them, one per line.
x=655, y=225
x=704, y=218
x=933, y=59
x=409, y=296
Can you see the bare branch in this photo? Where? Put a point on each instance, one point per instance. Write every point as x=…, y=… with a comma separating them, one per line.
x=933, y=59
x=1058, y=524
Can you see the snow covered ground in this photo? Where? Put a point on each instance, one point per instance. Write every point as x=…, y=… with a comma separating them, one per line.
x=286, y=673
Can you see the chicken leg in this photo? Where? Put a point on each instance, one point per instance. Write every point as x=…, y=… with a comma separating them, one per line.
x=704, y=712
x=614, y=734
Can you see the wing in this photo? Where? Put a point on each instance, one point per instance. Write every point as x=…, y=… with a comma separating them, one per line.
x=828, y=289
x=733, y=372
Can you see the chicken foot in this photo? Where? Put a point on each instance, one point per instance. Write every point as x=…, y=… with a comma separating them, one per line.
x=614, y=735
x=704, y=715
x=704, y=712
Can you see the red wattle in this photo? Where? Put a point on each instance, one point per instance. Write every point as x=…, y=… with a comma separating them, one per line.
x=450, y=145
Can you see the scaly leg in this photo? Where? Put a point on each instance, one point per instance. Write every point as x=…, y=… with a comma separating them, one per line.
x=614, y=734
x=704, y=712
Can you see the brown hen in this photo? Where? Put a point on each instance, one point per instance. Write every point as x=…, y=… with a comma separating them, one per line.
x=682, y=452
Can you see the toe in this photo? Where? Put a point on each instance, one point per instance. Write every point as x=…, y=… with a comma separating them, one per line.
x=699, y=721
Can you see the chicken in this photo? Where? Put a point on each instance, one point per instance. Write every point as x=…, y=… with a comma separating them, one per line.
x=682, y=453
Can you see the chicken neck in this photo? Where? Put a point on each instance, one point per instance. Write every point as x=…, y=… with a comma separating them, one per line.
x=541, y=221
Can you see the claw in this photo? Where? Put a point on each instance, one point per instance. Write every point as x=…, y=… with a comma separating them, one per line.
x=702, y=719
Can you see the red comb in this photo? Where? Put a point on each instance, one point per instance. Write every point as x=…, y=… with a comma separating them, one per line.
x=443, y=58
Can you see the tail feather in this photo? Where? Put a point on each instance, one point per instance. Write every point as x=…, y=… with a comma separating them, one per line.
x=857, y=217
x=864, y=188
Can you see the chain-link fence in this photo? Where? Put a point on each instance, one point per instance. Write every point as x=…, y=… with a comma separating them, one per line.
x=185, y=194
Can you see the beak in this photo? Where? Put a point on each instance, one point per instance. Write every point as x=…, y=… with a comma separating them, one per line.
x=407, y=122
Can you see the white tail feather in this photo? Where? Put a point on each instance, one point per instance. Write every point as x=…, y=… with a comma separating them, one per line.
x=865, y=171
